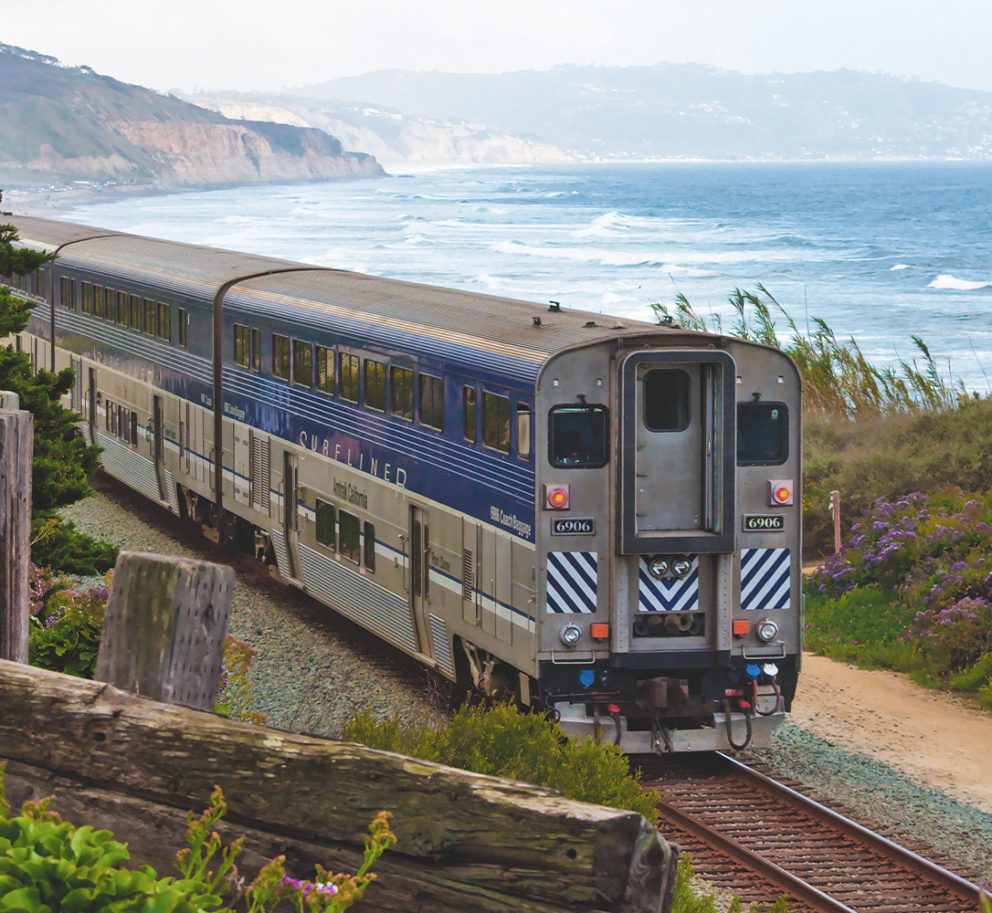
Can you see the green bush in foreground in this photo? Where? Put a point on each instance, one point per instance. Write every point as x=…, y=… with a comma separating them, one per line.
x=504, y=742
x=48, y=865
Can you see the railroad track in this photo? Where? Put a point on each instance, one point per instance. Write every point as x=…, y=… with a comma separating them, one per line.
x=760, y=839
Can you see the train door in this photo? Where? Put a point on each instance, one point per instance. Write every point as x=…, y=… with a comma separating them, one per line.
x=158, y=445
x=678, y=451
x=420, y=574
x=91, y=400
x=290, y=523
x=242, y=460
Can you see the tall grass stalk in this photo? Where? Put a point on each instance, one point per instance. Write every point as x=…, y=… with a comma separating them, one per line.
x=837, y=378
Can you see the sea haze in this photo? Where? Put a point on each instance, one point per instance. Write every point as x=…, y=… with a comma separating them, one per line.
x=881, y=252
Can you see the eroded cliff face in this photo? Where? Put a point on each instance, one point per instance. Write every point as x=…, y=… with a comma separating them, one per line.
x=204, y=154
x=396, y=138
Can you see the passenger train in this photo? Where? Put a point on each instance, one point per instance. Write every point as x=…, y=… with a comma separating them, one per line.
x=595, y=516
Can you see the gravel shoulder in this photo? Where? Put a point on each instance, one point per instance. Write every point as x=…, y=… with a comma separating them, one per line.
x=912, y=763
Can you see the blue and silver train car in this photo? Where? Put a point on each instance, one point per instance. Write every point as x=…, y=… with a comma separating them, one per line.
x=596, y=516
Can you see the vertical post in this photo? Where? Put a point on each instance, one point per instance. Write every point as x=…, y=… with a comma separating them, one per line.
x=163, y=636
x=16, y=446
x=835, y=508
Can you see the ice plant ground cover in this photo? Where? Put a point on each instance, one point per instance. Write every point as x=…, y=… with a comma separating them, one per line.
x=911, y=589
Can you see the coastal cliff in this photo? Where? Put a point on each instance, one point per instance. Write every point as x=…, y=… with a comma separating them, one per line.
x=64, y=124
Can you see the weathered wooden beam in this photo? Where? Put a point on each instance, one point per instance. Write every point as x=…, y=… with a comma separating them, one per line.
x=466, y=842
x=16, y=448
x=163, y=636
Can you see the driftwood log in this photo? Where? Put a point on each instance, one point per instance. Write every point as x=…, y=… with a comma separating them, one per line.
x=467, y=842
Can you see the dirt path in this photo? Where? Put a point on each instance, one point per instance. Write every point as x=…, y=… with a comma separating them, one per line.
x=933, y=737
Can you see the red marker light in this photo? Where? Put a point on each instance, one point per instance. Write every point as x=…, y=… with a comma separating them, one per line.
x=556, y=497
x=780, y=492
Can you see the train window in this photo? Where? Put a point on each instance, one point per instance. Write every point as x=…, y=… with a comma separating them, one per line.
x=469, y=415
x=134, y=428
x=578, y=436
x=256, y=350
x=368, y=547
x=302, y=362
x=164, y=322
x=349, y=377
x=351, y=544
x=110, y=415
x=325, y=524
x=98, y=307
x=280, y=356
x=182, y=327
x=151, y=317
x=87, y=298
x=401, y=392
x=666, y=399
x=241, y=351
x=762, y=433
x=432, y=401
x=375, y=384
x=114, y=311
x=523, y=431
x=325, y=369
x=135, y=312
x=496, y=421
x=68, y=294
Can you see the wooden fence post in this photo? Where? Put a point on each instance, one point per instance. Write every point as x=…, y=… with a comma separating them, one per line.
x=16, y=447
x=163, y=636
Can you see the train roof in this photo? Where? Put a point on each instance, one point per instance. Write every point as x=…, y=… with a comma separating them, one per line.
x=510, y=327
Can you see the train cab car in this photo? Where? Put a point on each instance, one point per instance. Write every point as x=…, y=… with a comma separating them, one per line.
x=593, y=517
x=669, y=527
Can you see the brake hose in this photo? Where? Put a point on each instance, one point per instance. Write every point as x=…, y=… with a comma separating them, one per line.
x=778, y=699
x=730, y=734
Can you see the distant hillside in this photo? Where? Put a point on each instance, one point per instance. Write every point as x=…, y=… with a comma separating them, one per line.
x=389, y=135
x=688, y=111
x=60, y=123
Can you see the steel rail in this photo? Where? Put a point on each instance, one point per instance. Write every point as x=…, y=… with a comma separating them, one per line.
x=947, y=879
x=795, y=887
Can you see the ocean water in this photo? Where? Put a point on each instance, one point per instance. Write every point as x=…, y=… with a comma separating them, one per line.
x=881, y=252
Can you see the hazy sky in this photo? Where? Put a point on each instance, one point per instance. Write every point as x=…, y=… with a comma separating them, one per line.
x=244, y=44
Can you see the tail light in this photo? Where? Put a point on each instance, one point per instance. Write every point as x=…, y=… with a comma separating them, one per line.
x=781, y=492
x=556, y=497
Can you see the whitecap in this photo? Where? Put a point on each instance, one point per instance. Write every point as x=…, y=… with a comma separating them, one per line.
x=946, y=281
x=899, y=266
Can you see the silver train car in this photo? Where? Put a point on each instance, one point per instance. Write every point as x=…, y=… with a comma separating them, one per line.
x=593, y=516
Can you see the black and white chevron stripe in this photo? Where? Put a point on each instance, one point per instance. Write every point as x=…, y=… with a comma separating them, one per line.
x=571, y=586
x=766, y=578
x=673, y=594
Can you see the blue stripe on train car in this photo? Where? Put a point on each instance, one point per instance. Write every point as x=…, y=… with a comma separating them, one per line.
x=671, y=594
x=572, y=580
x=766, y=578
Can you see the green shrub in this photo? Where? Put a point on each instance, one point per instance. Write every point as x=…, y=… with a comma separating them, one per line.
x=503, y=742
x=65, y=635
x=973, y=677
